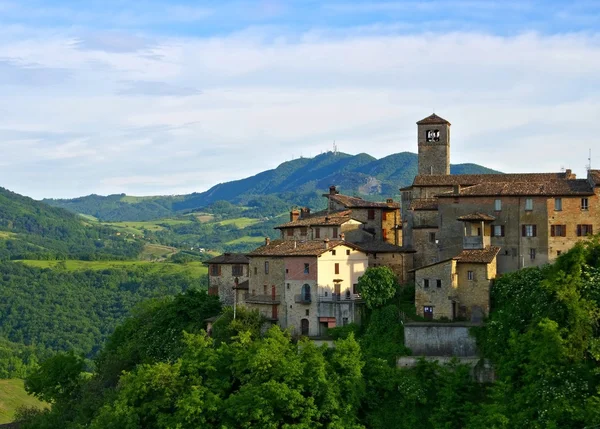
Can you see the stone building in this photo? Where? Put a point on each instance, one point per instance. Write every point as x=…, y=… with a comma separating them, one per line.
x=227, y=273
x=459, y=287
x=537, y=215
x=398, y=259
x=306, y=286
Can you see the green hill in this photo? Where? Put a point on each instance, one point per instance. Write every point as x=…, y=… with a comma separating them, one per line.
x=30, y=229
x=300, y=181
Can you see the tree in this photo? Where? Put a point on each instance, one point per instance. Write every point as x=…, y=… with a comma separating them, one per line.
x=377, y=286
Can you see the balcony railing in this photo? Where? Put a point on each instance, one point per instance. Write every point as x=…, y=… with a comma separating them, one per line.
x=262, y=299
x=473, y=242
x=337, y=297
x=302, y=298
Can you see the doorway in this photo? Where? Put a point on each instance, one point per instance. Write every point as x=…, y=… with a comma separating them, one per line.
x=428, y=312
x=304, y=327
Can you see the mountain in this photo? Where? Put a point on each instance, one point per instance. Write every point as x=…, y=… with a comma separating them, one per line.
x=31, y=229
x=300, y=181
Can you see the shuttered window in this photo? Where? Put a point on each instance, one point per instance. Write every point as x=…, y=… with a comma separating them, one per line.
x=337, y=268
x=583, y=230
x=558, y=230
x=529, y=230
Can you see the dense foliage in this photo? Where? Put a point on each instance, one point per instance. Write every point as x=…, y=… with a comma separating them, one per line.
x=377, y=286
x=63, y=310
x=300, y=181
x=33, y=230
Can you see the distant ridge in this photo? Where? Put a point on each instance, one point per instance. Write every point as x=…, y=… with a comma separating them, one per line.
x=300, y=181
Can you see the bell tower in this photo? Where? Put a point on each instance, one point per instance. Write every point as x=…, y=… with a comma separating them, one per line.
x=433, y=137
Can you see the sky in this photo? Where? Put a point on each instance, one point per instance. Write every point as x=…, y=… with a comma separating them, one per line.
x=172, y=97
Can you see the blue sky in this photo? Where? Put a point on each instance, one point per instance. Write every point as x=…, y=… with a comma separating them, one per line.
x=156, y=97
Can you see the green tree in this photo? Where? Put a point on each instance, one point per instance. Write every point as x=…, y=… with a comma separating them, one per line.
x=377, y=286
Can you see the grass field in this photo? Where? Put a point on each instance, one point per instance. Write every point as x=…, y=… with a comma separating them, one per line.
x=246, y=240
x=156, y=251
x=12, y=396
x=194, y=268
x=240, y=222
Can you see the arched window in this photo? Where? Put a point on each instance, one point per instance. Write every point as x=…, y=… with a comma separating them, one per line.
x=305, y=294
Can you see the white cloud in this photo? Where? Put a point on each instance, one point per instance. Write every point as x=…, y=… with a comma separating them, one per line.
x=514, y=102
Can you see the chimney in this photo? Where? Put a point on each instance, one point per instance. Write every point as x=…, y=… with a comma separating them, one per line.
x=569, y=174
x=389, y=201
x=332, y=190
x=267, y=241
x=456, y=189
x=304, y=212
x=342, y=236
x=326, y=241
x=294, y=214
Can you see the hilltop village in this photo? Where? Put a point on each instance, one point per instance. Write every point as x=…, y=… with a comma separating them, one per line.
x=451, y=235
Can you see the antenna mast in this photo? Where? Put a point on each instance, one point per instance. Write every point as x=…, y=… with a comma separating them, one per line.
x=589, y=166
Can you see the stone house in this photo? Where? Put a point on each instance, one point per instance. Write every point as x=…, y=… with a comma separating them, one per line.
x=398, y=259
x=459, y=287
x=306, y=286
x=537, y=215
x=227, y=273
x=304, y=225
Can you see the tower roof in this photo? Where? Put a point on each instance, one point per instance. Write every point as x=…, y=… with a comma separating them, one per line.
x=433, y=119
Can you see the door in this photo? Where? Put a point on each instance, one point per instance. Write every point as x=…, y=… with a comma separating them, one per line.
x=304, y=327
x=428, y=312
x=337, y=291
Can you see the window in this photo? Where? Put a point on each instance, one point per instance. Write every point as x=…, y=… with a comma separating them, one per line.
x=333, y=252
x=266, y=267
x=498, y=230
x=335, y=232
x=288, y=286
x=337, y=268
x=425, y=283
x=532, y=254
x=255, y=270
x=215, y=270
x=558, y=204
x=432, y=237
x=306, y=268
x=290, y=232
x=583, y=230
x=497, y=205
x=237, y=270
x=307, y=312
x=584, y=204
x=558, y=230
x=470, y=275
x=529, y=231
x=347, y=252
x=354, y=288
x=428, y=312
x=371, y=214
x=303, y=231
x=317, y=232
x=438, y=283
x=305, y=293
x=528, y=204
x=432, y=135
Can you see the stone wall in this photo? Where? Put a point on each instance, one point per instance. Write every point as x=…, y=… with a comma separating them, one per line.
x=399, y=263
x=434, y=157
x=440, y=339
x=432, y=296
x=225, y=281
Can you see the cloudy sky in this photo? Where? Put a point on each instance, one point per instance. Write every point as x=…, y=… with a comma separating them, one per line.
x=166, y=97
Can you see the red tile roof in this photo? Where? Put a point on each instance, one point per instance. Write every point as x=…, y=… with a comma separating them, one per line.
x=229, y=258
x=480, y=256
x=355, y=202
x=424, y=204
x=432, y=119
x=298, y=248
x=476, y=179
x=549, y=188
x=320, y=219
x=376, y=246
x=595, y=176
x=476, y=217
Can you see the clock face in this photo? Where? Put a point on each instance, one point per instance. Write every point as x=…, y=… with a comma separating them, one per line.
x=433, y=135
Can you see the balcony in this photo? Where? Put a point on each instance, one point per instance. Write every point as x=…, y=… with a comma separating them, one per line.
x=302, y=298
x=262, y=299
x=344, y=297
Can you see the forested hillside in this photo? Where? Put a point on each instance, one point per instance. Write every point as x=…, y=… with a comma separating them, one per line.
x=297, y=182
x=542, y=338
x=30, y=229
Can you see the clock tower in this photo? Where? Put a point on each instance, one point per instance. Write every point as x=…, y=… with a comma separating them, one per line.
x=433, y=137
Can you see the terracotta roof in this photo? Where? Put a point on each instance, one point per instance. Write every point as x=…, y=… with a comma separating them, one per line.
x=424, y=204
x=550, y=188
x=433, y=119
x=476, y=179
x=376, y=246
x=298, y=248
x=595, y=176
x=320, y=219
x=481, y=256
x=229, y=258
x=477, y=216
x=355, y=202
